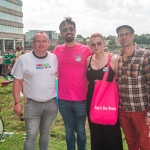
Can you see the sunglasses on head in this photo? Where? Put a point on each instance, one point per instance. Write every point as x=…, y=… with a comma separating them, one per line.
x=94, y=45
x=71, y=29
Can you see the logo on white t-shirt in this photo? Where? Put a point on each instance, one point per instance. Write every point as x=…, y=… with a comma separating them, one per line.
x=43, y=66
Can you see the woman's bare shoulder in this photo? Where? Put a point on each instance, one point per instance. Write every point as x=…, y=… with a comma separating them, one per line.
x=88, y=60
x=114, y=59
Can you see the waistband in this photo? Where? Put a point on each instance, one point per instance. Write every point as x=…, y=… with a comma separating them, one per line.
x=41, y=102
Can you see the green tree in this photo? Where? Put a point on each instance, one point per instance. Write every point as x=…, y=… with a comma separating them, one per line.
x=51, y=47
x=111, y=42
x=61, y=40
x=79, y=36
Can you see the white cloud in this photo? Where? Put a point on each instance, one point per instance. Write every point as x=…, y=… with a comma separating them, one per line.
x=91, y=16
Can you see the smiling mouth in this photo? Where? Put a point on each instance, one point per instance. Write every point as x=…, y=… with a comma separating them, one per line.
x=69, y=35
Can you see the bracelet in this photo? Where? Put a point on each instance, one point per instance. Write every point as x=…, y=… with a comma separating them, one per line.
x=17, y=103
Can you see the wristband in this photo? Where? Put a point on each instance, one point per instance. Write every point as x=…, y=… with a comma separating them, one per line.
x=17, y=103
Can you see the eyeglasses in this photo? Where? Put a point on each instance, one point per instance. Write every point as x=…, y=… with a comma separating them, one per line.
x=94, y=45
x=71, y=29
x=127, y=34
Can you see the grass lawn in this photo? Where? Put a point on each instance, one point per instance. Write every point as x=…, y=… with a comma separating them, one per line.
x=13, y=124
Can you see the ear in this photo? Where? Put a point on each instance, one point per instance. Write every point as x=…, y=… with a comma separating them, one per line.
x=33, y=43
x=133, y=36
x=49, y=43
x=89, y=43
x=117, y=36
x=104, y=43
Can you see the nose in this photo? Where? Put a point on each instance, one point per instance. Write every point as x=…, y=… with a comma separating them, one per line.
x=41, y=42
x=68, y=31
x=124, y=36
x=96, y=45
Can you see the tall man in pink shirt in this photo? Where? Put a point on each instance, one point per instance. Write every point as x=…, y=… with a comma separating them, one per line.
x=72, y=85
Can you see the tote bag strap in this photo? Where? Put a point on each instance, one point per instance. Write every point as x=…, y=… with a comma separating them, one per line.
x=108, y=66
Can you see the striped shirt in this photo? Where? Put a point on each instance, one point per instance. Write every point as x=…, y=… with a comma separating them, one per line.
x=134, y=81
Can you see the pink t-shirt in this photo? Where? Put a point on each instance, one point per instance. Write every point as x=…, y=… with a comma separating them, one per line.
x=72, y=82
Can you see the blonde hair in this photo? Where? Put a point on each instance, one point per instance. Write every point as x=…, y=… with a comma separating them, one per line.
x=97, y=35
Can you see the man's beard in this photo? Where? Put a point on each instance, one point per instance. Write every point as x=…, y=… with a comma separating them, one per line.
x=69, y=39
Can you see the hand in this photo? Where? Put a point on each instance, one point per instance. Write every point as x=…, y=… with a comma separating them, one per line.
x=147, y=120
x=18, y=109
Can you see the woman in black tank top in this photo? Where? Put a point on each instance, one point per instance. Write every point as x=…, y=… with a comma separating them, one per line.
x=103, y=137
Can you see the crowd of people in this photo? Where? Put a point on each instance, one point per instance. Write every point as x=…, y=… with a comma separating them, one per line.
x=8, y=60
x=78, y=67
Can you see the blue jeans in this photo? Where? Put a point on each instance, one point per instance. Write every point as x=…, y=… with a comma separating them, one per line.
x=74, y=116
x=39, y=116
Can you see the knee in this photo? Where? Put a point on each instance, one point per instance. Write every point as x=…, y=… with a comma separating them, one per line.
x=70, y=130
x=31, y=135
x=80, y=131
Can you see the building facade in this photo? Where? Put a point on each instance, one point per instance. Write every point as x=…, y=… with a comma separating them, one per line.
x=11, y=24
x=51, y=34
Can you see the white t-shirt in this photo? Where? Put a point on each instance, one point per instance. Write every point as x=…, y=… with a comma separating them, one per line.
x=38, y=76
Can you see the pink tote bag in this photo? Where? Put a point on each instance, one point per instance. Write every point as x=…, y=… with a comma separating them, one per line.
x=105, y=100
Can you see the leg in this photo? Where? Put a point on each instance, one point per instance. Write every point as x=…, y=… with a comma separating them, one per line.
x=142, y=130
x=6, y=69
x=32, y=128
x=32, y=115
x=49, y=114
x=112, y=136
x=65, y=108
x=97, y=142
x=9, y=69
x=129, y=130
x=0, y=69
x=80, y=118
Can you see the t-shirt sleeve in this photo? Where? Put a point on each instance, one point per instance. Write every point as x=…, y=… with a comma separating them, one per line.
x=17, y=70
x=55, y=51
x=89, y=51
x=56, y=62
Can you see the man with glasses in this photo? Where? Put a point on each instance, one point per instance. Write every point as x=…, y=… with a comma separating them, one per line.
x=72, y=84
x=134, y=88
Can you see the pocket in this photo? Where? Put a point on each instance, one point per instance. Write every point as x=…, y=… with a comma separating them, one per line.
x=133, y=70
x=32, y=109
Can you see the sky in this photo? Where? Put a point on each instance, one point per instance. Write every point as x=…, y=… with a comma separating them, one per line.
x=91, y=16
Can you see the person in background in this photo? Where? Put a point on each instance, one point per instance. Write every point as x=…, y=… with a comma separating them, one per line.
x=105, y=49
x=72, y=84
x=1, y=64
x=18, y=52
x=7, y=62
x=134, y=88
x=103, y=137
x=36, y=71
